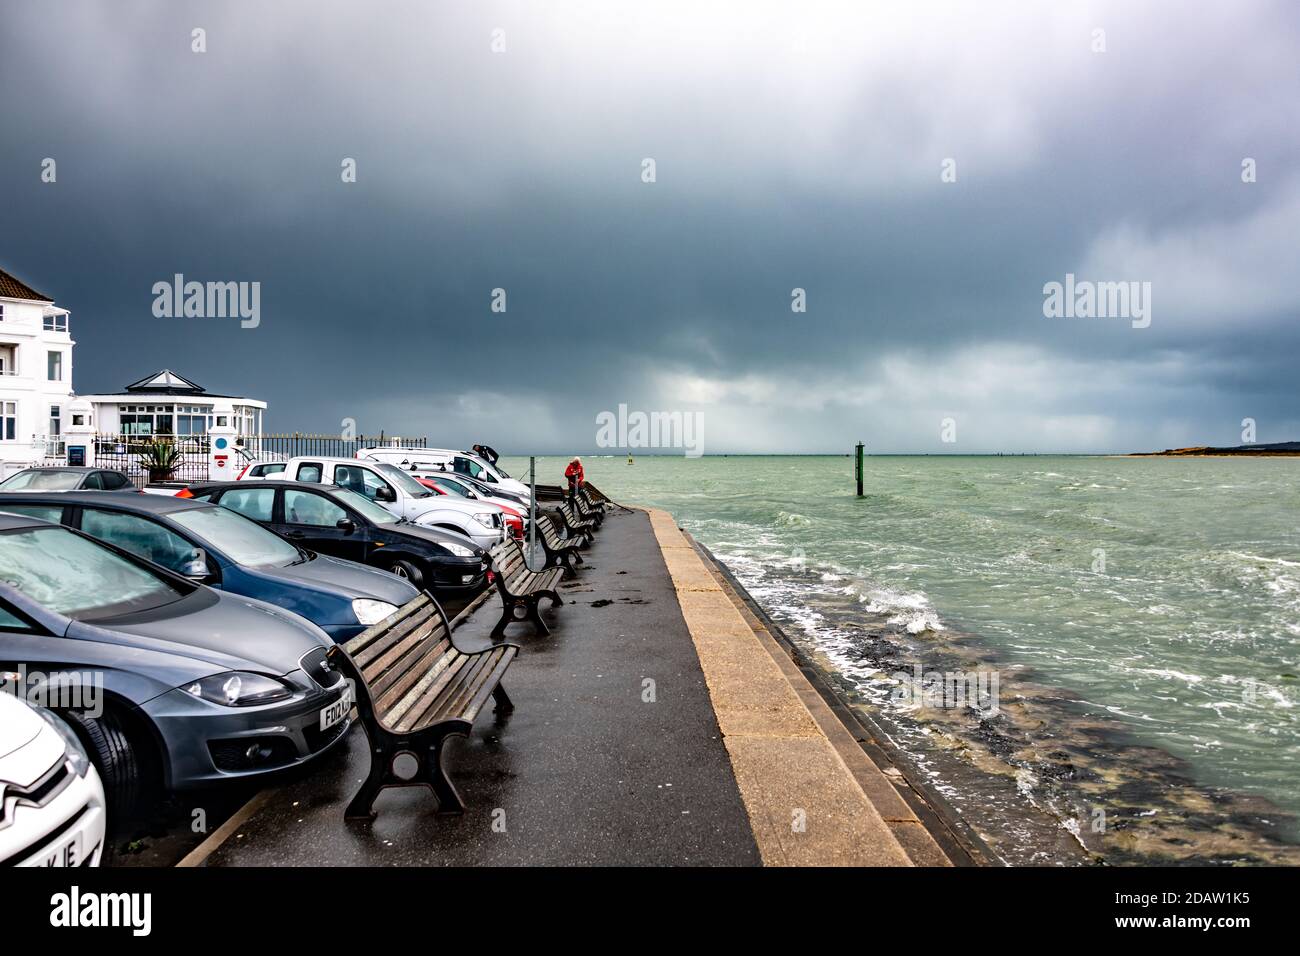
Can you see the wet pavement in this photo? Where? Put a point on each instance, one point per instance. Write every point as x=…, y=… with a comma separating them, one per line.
x=612, y=754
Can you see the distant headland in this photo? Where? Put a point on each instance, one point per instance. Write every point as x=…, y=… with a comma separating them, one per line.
x=1273, y=449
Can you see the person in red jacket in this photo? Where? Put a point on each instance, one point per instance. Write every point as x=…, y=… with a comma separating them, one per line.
x=575, y=476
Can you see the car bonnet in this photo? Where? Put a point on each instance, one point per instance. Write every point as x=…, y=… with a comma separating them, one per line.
x=346, y=578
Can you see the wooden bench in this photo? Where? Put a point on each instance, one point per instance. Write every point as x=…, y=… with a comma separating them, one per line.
x=593, y=499
x=596, y=496
x=573, y=523
x=521, y=589
x=560, y=552
x=414, y=688
x=586, y=510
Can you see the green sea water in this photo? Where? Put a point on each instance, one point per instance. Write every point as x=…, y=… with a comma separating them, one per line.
x=1158, y=600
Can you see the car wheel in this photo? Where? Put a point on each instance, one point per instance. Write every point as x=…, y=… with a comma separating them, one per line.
x=117, y=758
x=405, y=569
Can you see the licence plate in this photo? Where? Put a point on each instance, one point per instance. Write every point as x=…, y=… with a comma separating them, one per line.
x=336, y=711
x=68, y=853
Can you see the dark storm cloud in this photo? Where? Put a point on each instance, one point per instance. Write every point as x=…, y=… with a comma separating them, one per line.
x=795, y=147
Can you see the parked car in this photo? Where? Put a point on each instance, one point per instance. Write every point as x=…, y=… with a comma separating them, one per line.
x=399, y=493
x=435, y=459
x=190, y=685
x=494, y=492
x=342, y=523
x=261, y=469
x=68, y=479
x=217, y=547
x=52, y=809
x=447, y=483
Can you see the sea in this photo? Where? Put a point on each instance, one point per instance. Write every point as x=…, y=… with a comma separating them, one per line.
x=1083, y=659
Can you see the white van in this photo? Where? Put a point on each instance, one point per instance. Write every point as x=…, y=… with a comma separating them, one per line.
x=446, y=459
x=404, y=496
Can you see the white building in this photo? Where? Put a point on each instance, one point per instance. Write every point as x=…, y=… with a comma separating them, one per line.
x=35, y=374
x=38, y=405
x=166, y=403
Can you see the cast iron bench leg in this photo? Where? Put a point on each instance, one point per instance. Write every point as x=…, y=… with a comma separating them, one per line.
x=362, y=805
x=449, y=800
x=535, y=615
x=503, y=701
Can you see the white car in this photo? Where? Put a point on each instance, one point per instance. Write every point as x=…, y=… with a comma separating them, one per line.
x=52, y=810
x=436, y=459
x=255, y=467
x=397, y=491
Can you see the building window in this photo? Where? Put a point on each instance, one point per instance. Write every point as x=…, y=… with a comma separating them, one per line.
x=56, y=323
x=56, y=432
x=54, y=366
x=8, y=421
x=2, y=311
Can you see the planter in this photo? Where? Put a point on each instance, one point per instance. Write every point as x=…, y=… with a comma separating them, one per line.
x=161, y=474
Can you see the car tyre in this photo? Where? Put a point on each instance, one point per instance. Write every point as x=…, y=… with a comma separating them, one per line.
x=116, y=757
x=406, y=569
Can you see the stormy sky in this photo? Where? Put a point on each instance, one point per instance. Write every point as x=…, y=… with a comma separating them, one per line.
x=795, y=145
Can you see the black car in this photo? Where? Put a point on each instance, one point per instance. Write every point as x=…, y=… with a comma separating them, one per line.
x=342, y=523
x=68, y=478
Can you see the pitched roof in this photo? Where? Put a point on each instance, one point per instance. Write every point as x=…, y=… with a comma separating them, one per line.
x=166, y=381
x=14, y=288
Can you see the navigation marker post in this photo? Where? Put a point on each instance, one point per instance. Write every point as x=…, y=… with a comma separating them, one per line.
x=858, y=468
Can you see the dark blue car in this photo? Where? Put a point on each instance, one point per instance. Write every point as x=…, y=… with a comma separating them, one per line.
x=224, y=550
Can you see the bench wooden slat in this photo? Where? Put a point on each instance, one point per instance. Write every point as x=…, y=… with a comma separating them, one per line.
x=380, y=643
x=485, y=689
x=431, y=631
x=431, y=683
x=394, y=685
x=462, y=690
x=358, y=645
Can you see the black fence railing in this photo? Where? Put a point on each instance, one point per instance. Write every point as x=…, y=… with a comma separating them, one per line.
x=135, y=454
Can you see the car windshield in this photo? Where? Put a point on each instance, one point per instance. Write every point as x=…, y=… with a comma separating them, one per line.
x=242, y=540
x=372, y=512
x=404, y=481
x=77, y=577
x=42, y=481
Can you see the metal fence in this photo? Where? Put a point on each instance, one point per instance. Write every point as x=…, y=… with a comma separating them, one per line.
x=126, y=452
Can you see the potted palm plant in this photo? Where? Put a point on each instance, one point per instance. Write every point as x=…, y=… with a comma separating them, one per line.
x=161, y=458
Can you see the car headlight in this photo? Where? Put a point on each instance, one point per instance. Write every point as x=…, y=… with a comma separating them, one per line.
x=459, y=550
x=239, y=689
x=76, y=753
x=372, y=612
x=485, y=519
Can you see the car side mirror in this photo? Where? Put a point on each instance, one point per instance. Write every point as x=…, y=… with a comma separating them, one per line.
x=346, y=525
x=385, y=494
